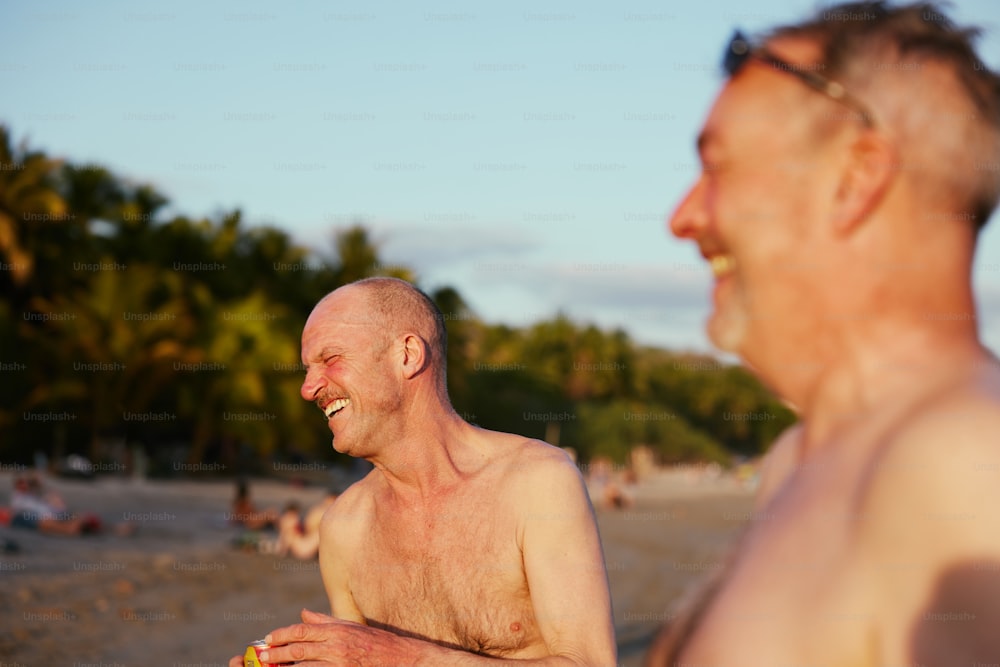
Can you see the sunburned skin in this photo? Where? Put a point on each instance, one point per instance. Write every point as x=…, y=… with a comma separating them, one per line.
x=875, y=538
x=410, y=571
x=882, y=583
x=462, y=546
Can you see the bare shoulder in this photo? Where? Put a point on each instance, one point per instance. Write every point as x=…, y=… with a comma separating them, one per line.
x=929, y=532
x=938, y=471
x=525, y=460
x=347, y=518
x=946, y=438
x=531, y=473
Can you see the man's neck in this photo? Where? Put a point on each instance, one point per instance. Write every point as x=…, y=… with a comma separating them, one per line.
x=891, y=369
x=432, y=457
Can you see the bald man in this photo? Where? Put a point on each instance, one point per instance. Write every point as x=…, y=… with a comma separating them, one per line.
x=463, y=546
x=846, y=175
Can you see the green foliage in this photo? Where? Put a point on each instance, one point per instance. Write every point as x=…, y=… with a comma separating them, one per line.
x=181, y=336
x=603, y=395
x=613, y=429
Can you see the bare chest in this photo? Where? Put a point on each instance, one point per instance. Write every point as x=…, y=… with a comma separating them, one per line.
x=453, y=576
x=794, y=594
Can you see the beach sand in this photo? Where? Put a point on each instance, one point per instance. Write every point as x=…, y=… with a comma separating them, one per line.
x=178, y=594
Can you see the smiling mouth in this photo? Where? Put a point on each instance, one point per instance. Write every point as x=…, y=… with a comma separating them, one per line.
x=722, y=265
x=333, y=407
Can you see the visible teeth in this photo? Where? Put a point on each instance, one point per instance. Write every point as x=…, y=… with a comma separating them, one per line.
x=335, y=406
x=722, y=264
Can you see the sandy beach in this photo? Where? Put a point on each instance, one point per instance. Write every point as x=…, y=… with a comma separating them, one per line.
x=178, y=594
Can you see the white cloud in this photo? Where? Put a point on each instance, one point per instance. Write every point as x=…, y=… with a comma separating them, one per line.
x=624, y=287
x=431, y=246
x=656, y=304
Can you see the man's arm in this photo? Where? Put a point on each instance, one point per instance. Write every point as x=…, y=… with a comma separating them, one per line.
x=341, y=528
x=564, y=564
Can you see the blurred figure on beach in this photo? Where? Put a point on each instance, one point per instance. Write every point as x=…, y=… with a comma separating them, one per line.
x=462, y=546
x=35, y=508
x=611, y=488
x=298, y=536
x=848, y=166
x=246, y=514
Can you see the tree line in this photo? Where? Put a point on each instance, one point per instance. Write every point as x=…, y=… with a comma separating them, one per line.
x=124, y=329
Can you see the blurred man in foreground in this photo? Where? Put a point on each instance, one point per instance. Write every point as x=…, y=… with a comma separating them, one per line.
x=463, y=546
x=847, y=167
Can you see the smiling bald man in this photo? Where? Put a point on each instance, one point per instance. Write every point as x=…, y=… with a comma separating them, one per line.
x=463, y=546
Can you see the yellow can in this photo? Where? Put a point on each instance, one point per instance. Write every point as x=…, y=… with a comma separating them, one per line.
x=252, y=657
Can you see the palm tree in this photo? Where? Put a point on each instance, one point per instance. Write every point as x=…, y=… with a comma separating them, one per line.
x=113, y=348
x=357, y=257
x=242, y=349
x=28, y=199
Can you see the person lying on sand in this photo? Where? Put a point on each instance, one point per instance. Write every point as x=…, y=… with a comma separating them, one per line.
x=34, y=508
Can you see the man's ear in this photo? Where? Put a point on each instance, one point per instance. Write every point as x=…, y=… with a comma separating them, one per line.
x=868, y=172
x=415, y=357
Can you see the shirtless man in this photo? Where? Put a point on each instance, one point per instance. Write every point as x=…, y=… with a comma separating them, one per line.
x=840, y=221
x=463, y=546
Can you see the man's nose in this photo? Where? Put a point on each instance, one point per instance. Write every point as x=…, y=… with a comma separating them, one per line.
x=311, y=385
x=690, y=216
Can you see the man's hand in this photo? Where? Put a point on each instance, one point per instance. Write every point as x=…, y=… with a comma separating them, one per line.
x=307, y=617
x=325, y=640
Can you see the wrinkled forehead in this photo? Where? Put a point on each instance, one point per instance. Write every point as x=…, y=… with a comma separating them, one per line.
x=800, y=51
x=761, y=100
x=341, y=312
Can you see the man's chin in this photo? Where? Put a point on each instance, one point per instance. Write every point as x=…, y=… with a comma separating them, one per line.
x=339, y=445
x=339, y=450
x=343, y=445
x=726, y=333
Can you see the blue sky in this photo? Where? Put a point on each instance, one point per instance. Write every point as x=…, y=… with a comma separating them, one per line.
x=527, y=153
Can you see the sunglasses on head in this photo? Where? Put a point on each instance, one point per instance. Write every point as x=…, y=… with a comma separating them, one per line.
x=740, y=50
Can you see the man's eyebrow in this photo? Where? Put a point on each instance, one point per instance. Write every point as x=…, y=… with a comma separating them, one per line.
x=324, y=353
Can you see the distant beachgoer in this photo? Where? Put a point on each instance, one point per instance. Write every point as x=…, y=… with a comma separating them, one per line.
x=608, y=488
x=299, y=537
x=623, y=490
x=246, y=514
x=848, y=166
x=463, y=546
x=33, y=508
x=616, y=496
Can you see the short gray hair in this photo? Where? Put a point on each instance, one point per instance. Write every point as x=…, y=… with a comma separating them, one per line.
x=398, y=306
x=946, y=108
